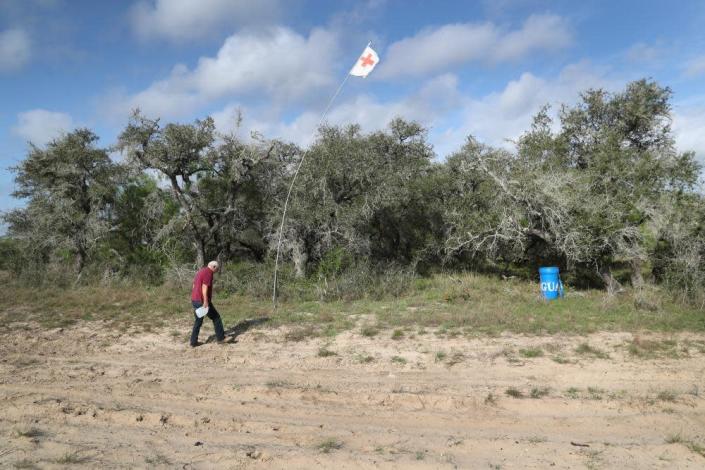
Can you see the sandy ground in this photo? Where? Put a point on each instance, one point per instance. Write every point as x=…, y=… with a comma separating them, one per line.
x=102, y=399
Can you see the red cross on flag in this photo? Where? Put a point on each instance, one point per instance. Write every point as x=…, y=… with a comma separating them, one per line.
x=365, y=63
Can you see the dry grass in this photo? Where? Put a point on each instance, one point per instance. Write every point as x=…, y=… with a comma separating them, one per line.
x=514, y=392
x=29, y=432
x=539, y=392
x=456, y=358
x=648, y=349
x=692, y=445
x=397, y=334
x=71, y=458
x=369, y=331
x=398, y=360
x=325, y=352
x=451, y=305
x=302, y=333
x=585, y=349
x=25, y=464
x=667, y=395
x=329, y=445
x=531, y=352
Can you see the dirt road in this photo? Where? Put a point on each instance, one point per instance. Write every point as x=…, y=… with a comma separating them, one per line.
x=82, y=396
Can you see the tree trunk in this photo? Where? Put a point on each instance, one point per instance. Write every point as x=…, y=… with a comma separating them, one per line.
x=80, y=260
x=611, y=284
x=200, y=253
x=81, y=252
x=637, y=278
x=300, y=258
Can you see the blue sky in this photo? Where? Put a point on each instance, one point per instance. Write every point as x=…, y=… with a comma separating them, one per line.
x=459, y=67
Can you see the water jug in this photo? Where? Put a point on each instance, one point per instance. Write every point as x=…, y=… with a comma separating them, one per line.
x=551, y=285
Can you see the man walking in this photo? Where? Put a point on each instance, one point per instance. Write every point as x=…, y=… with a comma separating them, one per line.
x=201, y=296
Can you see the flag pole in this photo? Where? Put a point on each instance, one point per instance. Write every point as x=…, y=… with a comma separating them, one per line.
x=291, y=186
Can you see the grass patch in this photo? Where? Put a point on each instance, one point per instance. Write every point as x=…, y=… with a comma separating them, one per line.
x=490, y=399
x=397, y=335
x=369, y=331
x=329, y=445
x=455, y=358
x=30, y=432
x=650, y=349
x=398, y=360
x=573, y=392
x=514, y=392
x=440, y=356
x=539, y=392
x=691, y=445
x=365, y=358
x=667, y=395
x=279, y=384
x=71, y=458
x=561, y=360
x=420, y=455
x=584, y=349
x=531, y=352
x=508, y=354
x=24, y=464
x=301, y=333
x=325, y=352
x=595, y=393
x=157, y=459
x=449, y=304
x=697, y=448
x=699, y=345
x=23, y=361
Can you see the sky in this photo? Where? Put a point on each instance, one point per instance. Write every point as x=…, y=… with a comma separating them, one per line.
x=460, y=68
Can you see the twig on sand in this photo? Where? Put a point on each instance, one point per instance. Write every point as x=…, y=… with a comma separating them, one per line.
x=7, y=451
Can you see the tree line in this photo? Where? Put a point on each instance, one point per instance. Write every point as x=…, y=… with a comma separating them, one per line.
x=601, y=192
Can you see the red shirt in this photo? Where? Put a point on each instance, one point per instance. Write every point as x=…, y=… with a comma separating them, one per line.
x=204, y=276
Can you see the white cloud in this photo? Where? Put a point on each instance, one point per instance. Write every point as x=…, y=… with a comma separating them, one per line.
x=440, y=106
x=501, y=117
x=182, y=20
x=641, y=52
x=278, y=62
x=695, y=67
x=40, y=126
x=15, y=49
x=496, y=118
x=689, y=128
x=433, y=50
x=427, y=105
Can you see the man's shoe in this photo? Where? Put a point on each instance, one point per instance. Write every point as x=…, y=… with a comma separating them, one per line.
x=198, y=343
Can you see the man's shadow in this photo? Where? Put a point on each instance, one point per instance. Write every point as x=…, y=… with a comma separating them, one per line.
x=233, y=332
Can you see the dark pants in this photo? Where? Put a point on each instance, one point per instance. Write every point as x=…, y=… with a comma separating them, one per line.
x=213, y=315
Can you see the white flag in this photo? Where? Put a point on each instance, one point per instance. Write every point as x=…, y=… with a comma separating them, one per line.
x=365, y=63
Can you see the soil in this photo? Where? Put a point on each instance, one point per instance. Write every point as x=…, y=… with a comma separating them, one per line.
x=105, y=399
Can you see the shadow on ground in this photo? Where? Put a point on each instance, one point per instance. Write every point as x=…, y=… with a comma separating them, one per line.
x=233, y=332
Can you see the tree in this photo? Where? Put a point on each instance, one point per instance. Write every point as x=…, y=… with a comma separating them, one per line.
x=70, y=186
x=210, y=176
x=140, y=242
x=359, y=192
x=507, y=208
x=581, y=197
x=622, y=146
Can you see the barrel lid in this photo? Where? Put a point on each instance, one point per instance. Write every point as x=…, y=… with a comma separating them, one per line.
x=548, y=269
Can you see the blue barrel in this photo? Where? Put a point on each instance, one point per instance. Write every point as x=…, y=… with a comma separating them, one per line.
x=551, y=285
